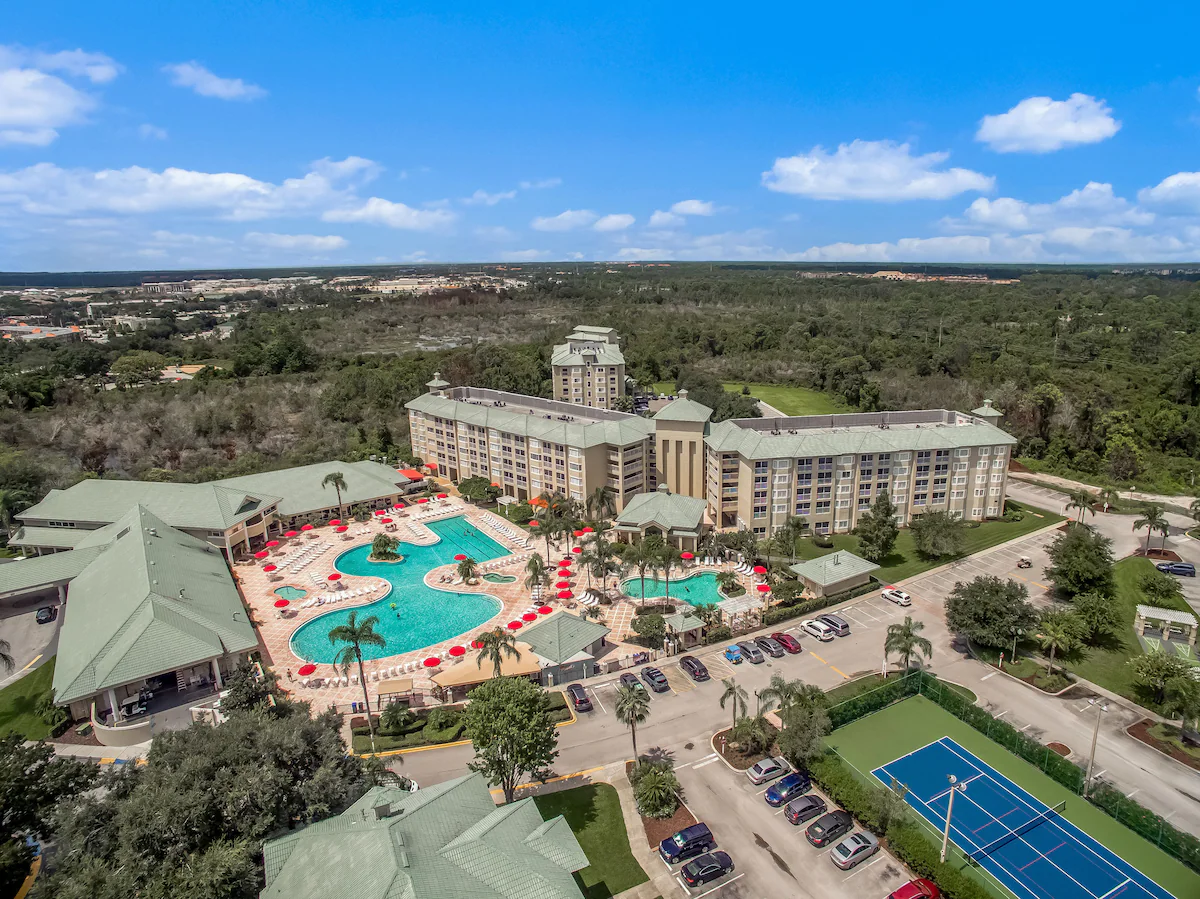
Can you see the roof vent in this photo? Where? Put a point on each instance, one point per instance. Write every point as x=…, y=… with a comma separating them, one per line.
x=153, y=532
x=383, y=810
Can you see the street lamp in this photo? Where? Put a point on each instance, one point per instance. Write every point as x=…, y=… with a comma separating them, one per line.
x=1101, y=708
x=955, y=787
x=1017, y=633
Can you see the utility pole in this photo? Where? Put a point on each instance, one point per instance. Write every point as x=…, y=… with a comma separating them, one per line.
x=1101, y=708
x=955, y=786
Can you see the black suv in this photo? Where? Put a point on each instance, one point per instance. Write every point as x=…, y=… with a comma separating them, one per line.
x=805, y=808
x=694, y=667
x=829, y=827
x=631, y=681
x=46, y=614
x=688, y=843
x=770, y=646
x=656, y=679
x=579, y=698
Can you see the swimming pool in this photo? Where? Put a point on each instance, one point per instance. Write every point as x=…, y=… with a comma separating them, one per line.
x=695, y=589
x=422, y=616
x=290, y=593
x=499, y=578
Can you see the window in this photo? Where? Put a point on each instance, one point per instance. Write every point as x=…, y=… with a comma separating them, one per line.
x=844, y=524
x=843, y=488
x=959, y=480
x=824, y=491
x=939, y=496
x=980, y=491
x=803, y=492
x=802, y=508
x=993, y=510
x=782, y=463
x=998, y=463
x=997, y=478
x=779, y=508
x=843, y=504
x=760, y=532
x=864, y=503
x=822, y=527
x=962, y=452
x=780, y=494
x=823, y=506
x=760, y=511
x=782, y=478
x=919, y=499
x=957, y=494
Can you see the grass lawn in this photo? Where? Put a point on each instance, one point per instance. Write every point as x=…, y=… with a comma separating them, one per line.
x=869, y=682
x=901, y=728
x=904, y=561
x=1106, y=665
x=18, y=700
x=788, y=400
x=594, y=814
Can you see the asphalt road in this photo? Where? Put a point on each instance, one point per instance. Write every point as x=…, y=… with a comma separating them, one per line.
x=30, y=644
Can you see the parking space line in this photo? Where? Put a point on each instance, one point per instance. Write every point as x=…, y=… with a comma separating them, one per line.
x=839, y=671
x=863, y=867
x=598, y=702
x=720, y=886
x=817, y=657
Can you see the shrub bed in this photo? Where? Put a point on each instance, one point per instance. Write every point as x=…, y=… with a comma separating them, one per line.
x=662, y=608
x=808, y=606
x=718, y=633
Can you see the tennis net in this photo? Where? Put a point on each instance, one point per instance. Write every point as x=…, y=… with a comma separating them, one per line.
x=1015, y=832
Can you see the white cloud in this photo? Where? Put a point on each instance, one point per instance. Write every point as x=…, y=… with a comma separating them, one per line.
x=378, y=211
x=615, y=222
x=662, y=219
x=33, y=105
x=95, y=67
x=494, y=232
x=483, y=198
x=692, y=207
x=309, y=243
x=564, y=221
x=871, y=170
x=1042, y=125
x=540, y=185
x=352, y=168
x=910, y=249
x=1093, y=205
x=152, y=132
x=199, y=79
x=1179, y=192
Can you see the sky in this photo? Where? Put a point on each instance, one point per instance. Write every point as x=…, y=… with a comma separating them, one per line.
x=150, y=135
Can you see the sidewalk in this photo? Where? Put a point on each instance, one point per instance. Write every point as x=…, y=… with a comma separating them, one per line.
x=103, y=755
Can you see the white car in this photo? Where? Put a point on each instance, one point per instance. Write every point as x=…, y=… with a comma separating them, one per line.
x=822, y=632
x=768, y=769
x=896, y=595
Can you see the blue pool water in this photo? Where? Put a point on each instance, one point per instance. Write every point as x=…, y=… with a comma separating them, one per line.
x=695, y=589
x=423, y=616
x=291, y=593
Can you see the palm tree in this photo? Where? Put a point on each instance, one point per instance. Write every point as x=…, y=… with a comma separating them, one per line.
x=7, y=662
x=11, y=502
x=790, y=693
x=668, y=557
x=1108, y=496
x=632, y=708
x=738, y=696
x=536, y=569
x=1057, y=636
x=727, y=580
x=384, y=546
x=357, y=634
x=497, y=643
x=467, y=568
x=1080, y=500
x=905, y=640
x=640, y=556
x=1182, y=698
x=338, y=481
x=602, y=503
x=1152, y=520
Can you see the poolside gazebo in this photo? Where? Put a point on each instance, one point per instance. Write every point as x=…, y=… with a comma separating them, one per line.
x=679, y=520
x=1171, y=626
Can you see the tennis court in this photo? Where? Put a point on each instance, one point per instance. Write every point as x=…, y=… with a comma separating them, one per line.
x=1025, y=844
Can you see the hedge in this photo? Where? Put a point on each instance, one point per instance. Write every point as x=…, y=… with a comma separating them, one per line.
x=800, y=609
x=718, y=633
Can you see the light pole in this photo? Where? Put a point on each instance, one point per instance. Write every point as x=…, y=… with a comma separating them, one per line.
x=955, y=787
x=1101, y=708
x=1017, y=633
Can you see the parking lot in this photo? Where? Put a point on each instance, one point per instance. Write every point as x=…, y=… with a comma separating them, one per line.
x=1001, y=562
x=31, y=643
x=771, y=856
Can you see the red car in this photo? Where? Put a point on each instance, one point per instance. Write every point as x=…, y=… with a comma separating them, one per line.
x=917, y=889
x=788, y=642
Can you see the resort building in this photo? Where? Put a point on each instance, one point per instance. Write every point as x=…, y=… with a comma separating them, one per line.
x=677, y=519
x=589, y=370
x=446, y=840
x=752, y=473
x=835, y=573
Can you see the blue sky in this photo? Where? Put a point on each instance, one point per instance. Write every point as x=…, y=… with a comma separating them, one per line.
x=151, y=135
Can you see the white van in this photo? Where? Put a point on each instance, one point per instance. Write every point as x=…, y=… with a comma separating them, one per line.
x=818, y=629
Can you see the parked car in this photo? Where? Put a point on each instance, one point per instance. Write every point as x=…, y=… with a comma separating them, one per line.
x=852, y=850
x=46, y=614
x=788, y=642
x=579, y=698
x=770, y=646
x=805, y=808
x=787, y=788
x=768, y=769
x=706, y=868
x=656, y=680
x=896, y=595
x=818, y=629
x=630, y=680
x=917, y=889
x=829, y=827
x=688, y=843
x=694, y=667
x=1180, y=569
x=836, y=623
x=750, y=652
x=733, y=655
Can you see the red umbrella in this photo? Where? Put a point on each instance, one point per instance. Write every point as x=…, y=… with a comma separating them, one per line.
x=764, y=588
x=398, y=506
x=459, y=557
x=443, y=496
x=271, y=544
x=306, y=669
x=588, y=531
x=576, y=549
x=432, y=662
x=379, y=512
x=269, y=568
x=534, y=523
x=578, y=533
x=565, y=563
x=477, y=644
x=282, y=603
x=385, y=521
x=457, y=651
x=342, y=528
x=529, y=616
x=514, y=625
x=261, y=554
x=563, y=585
x=306, y=527
x=422, y=499
x=565, y=594
x=760, y=569
x=545, y=610
x=334, y=522
x=292, y=534
x=687, y=556
x=334, y=577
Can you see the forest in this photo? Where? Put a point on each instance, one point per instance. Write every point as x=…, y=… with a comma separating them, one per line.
x=1098, y=373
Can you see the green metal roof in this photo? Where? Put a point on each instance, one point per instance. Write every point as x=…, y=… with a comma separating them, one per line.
x=53, y=538
x=198, y=506
x=301, y=490
x=153, y=600
x=447, y=840
x=672, y=512
x=682, y=621
x=25, y=575
x=605, y=353
x=833, y=568
x=582, y=434
x=562, y=636
x=987, y=410
x=683, y=409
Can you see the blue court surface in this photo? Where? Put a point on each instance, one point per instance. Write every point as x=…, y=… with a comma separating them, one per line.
x=1028, y=847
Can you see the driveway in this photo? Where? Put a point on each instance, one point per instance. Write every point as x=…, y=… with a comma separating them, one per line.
x=30, y=644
